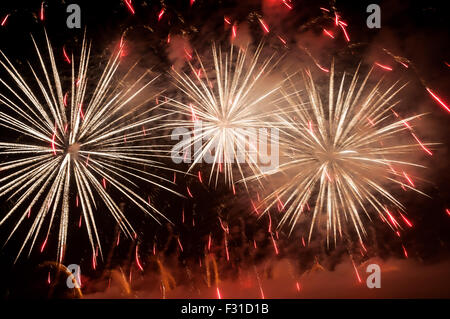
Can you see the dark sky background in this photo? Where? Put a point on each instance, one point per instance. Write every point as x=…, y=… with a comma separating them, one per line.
x=418, y=31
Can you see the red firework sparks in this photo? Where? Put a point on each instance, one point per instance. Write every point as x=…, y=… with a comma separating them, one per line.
x=4, y=20
x=41, y=15
x=161, y=13
x=385, y=67
x=264, y=26
x=138, y=263
x=66, y=57
x=439, y=100
x=328, y=33
x=129, y=6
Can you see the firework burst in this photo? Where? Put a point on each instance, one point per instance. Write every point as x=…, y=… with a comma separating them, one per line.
x=226, y=103
x=75, y=146
x=343, y=157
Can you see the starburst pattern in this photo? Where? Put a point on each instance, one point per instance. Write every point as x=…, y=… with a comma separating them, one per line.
x=76, y=147
x=342, y=158
x=226, y=107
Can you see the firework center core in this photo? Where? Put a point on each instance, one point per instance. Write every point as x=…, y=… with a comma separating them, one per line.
x=73, y=149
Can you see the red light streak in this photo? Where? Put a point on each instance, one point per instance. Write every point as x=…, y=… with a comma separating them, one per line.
x=53, y=143
x=264, y=26
x=41, y=16
x=66, y=57
x=328, y=33
x=94, y=265
x=179, y=244
x=218, y=294
x=345, y=32
x=408, y=179
x=161, y=13
x=138, y=263
x=254, y=207
x=322, y=68
x=129, y=6
x=4, y=20
x=282, y=40
x=385, y=67
x=356, y=271
x=421, y=145
x=287, y=5
x=438, y=100
x=275, y=247
x=44, y=244
x=405, y=252
x=406, y=220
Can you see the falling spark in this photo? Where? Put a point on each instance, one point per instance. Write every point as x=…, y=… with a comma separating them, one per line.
x=328, y=33
x=439, y=100
x=42, y=12
x=233, y=31
x=282, y=40
x=289, y=6
x=422, y=145
x=405, y=252
x=129, y=6
x=385, y=67
x=44, y=244
x=138, y=263
x=356, y=271
x=4, y=20
x=345, y=32
x=408, y=179
x=161, y=13
x=275, y=247
x=322, y=68
x=264, y=26
x=218, y=293
x=406, y=220
x=66, y=57
x=226, y=248
x=179, y=244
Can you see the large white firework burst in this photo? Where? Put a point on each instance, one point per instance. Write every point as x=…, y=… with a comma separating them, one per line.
x=71, y=146
x=231, y=101
x=342, y=157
